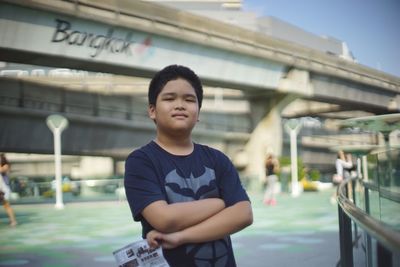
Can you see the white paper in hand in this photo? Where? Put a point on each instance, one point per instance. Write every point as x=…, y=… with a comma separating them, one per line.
x=139, y=254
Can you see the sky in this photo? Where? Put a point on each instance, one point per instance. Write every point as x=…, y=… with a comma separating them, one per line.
x=370, y=28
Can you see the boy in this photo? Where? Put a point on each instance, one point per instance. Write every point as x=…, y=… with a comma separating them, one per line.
x=187, y=196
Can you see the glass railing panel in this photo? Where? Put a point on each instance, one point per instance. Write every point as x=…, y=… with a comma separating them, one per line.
x=359, y=195
x=372, y=170
x=384, y=168
x=374, y=204
x=374, y=237
x=395, y=170
x=389, y=193
x=390, y=212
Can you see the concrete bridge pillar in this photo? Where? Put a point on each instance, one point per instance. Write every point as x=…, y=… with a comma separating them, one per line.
x=266, y=113
x=266, y=138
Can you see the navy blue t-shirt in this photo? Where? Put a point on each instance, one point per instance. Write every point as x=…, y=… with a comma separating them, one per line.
x=153, y=174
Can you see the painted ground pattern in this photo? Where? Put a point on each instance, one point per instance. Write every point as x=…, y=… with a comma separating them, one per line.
x=300, y=231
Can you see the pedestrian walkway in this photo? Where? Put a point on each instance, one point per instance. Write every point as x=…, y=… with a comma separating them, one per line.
x=300, y=231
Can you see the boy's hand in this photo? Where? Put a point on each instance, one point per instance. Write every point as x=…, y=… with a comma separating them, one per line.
x=154, y=239
x=166, y=241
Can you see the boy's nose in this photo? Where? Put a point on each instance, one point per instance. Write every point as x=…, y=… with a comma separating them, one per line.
x=179, y=104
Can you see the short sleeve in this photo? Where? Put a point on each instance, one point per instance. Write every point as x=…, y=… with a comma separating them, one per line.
x=142, y=186
x=231, y=187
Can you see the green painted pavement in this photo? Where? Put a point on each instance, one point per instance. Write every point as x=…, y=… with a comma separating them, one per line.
x=300, y=231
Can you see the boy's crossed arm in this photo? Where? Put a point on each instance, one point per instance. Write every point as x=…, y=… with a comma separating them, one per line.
x=218, y=225
x=168, y=218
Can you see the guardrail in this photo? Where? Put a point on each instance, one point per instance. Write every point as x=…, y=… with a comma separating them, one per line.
x=381, y=243
x=28, y=191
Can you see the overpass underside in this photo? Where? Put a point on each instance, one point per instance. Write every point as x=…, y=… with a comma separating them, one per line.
x=99, y=124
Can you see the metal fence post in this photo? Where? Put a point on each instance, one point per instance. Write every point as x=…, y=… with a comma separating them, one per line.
x=346, y=246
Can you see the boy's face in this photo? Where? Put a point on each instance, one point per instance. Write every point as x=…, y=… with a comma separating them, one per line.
x=176, y=107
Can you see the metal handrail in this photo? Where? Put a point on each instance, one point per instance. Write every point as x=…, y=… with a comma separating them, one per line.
x=377, y=229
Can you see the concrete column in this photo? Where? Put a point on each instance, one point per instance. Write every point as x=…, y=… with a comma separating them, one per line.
x=266, y=138
x=266, y=112
x=267, y=135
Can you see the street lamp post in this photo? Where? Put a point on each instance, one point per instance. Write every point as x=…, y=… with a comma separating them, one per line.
x=293, y=127
x=57, y=124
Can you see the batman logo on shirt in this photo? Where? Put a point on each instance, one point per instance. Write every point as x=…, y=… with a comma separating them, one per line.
x=182, y=189
x=214, y=253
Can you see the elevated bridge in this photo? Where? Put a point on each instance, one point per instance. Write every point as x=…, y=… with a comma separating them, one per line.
x=136, y=39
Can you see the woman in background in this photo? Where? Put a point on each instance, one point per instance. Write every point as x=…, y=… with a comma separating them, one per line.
x=5, y=188
x=342, y=166
x=272, y=168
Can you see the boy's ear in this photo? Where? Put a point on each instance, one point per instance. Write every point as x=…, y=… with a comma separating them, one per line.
x=151, y=110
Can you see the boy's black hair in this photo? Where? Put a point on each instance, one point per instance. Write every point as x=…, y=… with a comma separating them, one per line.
x=173, y=72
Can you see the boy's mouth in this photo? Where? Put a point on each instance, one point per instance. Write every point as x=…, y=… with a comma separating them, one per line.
x=179, y=115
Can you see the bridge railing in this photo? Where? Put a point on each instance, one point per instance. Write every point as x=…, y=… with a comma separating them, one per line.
x=27, y=190
x=118, y=107
x=369, y=214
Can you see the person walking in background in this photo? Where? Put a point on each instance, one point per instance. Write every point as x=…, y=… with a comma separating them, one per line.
x=342, y=166
x=272, y=168
x=187, y=196
x=5, y=168
x=349, y=171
